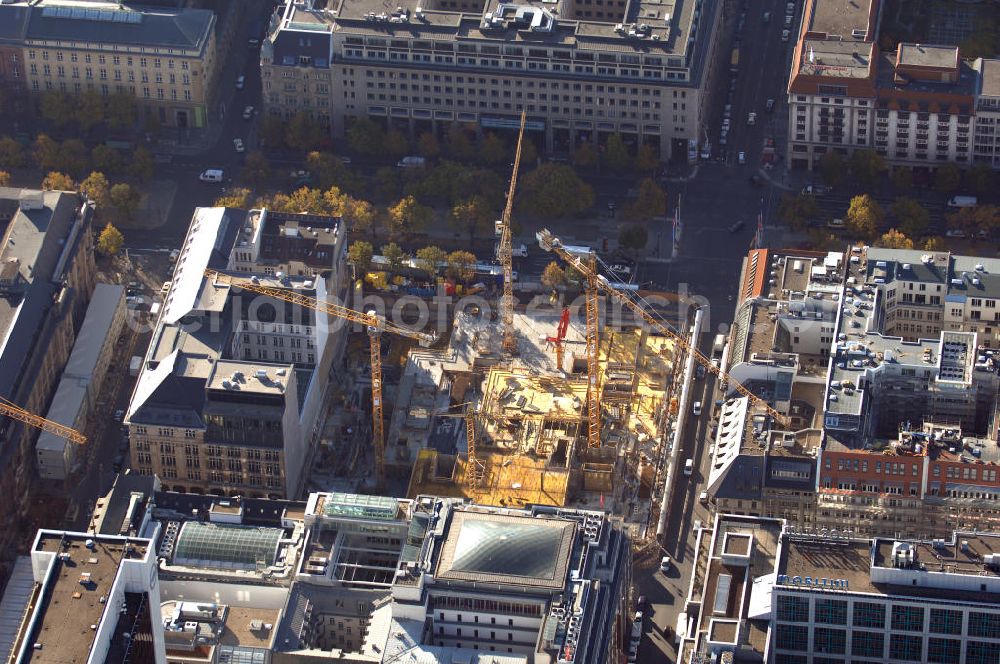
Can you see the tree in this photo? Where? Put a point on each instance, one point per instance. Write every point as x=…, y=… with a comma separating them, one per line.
x=864, y=216
x=89, y=110
x=256, y=169
x=73, y=157
x=408, y=216
x=823, y=240
x=110, y=241
x=56, y=181
x=235, y=198
x=797, y=210
x=11, y=153
x=911, y=216
x=646, y=160
x=633, y=238
x=948, y=178
x=272, y=131
x=529, y=153
x=429, y=258
x=359, y=254
x=428, y=146
x=893, y=239
x=554, y=191
x=56, y=107
x=143, y=165
x=616, y=155
x=471, y=215
x=832, y=167
x=650, y=202
x=492, y=150
x=120, y=110
x=934, y=243
x=980, y=179
x=459, y=146
x=584, y=156
x=125, y=198
x=4, y=179
x=387, y=184
x=396, y=256
x=866, y=165
x=303, y=133
x=395, y=144
x=360, y=215
x=902, y=177
x=46, y=153
x=461, y=265
x=365, y=136
x=105, y=159
x=553, y=276
x=95, y=187
x=306, y=200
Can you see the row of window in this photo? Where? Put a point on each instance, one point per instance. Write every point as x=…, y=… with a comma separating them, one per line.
x=115, y=59
x=902, y=617
x=102, y=74
x=105, y=90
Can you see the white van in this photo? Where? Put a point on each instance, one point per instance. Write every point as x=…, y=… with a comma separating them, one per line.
x=689, y=467
x=211, y=175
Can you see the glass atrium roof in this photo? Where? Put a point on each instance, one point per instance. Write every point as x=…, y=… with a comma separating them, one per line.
x=356, y=505
x=224, y=545
x=516, y=549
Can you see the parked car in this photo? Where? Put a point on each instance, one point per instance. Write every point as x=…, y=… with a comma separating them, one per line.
x=752, y=118
x=665, y=564
x=238, y=144
x=815, y=189
x=955, y=232
x=248, y=112
x=696, y=408
x=241, y=82
x=769, y=106
x=836, y=223
x=742, y=158
x=765, y=17
x=784, y=35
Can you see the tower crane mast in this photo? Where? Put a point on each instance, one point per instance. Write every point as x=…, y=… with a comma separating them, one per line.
x=549, y=242
x=506, y=256
x=375, y=326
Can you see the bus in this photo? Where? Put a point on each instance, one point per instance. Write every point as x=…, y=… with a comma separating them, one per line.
x=734, y=61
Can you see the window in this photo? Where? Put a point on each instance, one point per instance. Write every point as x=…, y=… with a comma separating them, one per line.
x=792, y=637
x=828, y=640
x=977, y=652
x=946, y=621
x=906, y=647
x=944, y=650
x=867, y=614
x=984, y=624
x=867, y=644
x=908, y=618
x=831, y=612
x=793, y=609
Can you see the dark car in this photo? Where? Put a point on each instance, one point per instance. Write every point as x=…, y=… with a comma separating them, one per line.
x=737, y=226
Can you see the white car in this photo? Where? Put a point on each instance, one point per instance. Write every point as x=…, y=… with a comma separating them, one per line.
x=788, y=21
x=784, y=35
x=752, y=119
x=955, y=232
x=696, y=408
x=790, y=8
x=241, y=82
x=665, y=564
x=238, y=144
x=248, y=112
x=742, y=158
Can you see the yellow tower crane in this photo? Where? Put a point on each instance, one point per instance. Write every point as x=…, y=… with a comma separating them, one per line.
x=476, y=470
x=584, y=263
x=375, y=326
x=506, y=256
x=14, y=412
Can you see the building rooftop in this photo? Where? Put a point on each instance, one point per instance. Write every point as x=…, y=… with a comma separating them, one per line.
x=835, y=59
x=115, y=23
x=74, y=595
x=852, y=22
x=899, y=89
x=226, y=545
x=925, y=55
x=249, y=377
x=506, y=549
x=989, y=77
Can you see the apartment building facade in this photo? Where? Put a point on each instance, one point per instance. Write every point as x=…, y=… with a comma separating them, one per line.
x=164, y=58
x=986, y=140
x=232, y=392
x=581, y=71
x=46, y=278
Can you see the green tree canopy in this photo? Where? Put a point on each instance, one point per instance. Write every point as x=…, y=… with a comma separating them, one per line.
x=256, y=169
x=125, y=198
x=616, y=156
x=120, y=110
x=902, y=177
x=96, y=187
x=56, y=107
x=89, y=109
x=633, y=238
x=235, y=198
x=911, y=217
x=4, y=179
x=554, y=190
x=395, y=145
x=459, y=145
x=56, y=181
x=143, y=165
x=395, y=255
x=650, y=202
x=359, y=254
x=428, y=146
x=492, y=150
x=948, y=178
x=409, y=216
x=553, y=276
x=110, y=241
x=646, y=160
x=866, y=165
x=584, y=156
x=11, y=153
x=797, y=210
x=980, y=179
x=893, y=239
x=303, y=133
x=864, y=216
x=833, y=168
x=429, y=258
x=73, y=157
x=106, y=159
x=46, y=153
x=365, y=136
x=272, y=131
x=471, y=216
x=461, y=265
